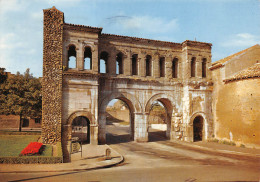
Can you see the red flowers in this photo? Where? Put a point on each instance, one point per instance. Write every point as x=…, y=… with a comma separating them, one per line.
x=32, y=148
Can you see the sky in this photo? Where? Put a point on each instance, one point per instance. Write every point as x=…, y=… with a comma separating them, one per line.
x=230, y=25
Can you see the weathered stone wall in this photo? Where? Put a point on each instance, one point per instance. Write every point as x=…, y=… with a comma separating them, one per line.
x=235, y=104
x=52, y=75
x=239, y=121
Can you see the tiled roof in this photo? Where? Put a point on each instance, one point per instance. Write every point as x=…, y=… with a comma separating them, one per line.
x=250, y=72
x=222, y=62
x=134, y=38
x=137, y=38
x=84, y=26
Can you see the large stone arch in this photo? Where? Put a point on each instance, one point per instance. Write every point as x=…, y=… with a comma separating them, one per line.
x=134, y=107
x=167, y=101
x=205, y=131
x=130, y=100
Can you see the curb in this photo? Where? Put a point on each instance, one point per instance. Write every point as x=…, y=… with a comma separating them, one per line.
x=121, y=159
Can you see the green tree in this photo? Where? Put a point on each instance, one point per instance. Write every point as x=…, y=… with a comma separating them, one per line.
x=21, y=95
x=3, y=75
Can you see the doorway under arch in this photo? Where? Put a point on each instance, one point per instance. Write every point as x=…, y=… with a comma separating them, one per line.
x=81, y=129
x=158, y=122
x=119, y=122
x=198, y=128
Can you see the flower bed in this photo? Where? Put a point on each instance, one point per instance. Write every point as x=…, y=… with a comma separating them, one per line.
x=32, y=149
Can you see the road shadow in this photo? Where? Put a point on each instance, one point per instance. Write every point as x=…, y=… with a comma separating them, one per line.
x=115, y=139
x=155, y=136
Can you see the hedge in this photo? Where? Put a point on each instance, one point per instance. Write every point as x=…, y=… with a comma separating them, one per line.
x=30, y=160
x=5, y=132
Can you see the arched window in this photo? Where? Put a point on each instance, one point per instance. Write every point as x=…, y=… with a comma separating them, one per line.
x=204, y=67
x=175, y=68
x=148, y=63
x=87, y=58
x=72, y=54
x=119, y=63
x=162, y=67
x=135, y=64
x=193, y=67
x=103, y=62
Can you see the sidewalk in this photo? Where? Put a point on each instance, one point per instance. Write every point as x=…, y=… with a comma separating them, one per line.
x=93, y=157
x=221, y=148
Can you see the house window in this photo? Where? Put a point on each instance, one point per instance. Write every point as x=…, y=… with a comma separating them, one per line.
x=134, y=64
x=162, y=67
x=72, y=54
x=204, y=67
x=87, y=58
x=175, y=68
x=103, y=63
x=193, y=66
x=119, y=63
x=148, y=63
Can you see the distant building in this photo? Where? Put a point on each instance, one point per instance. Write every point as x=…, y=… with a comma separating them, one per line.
x=12, y=122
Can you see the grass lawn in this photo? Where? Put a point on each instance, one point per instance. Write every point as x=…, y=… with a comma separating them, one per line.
x=12, y=145
x=47, y=151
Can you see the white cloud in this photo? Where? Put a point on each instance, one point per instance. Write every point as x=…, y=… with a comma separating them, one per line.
x=242, y=40
x=11, y=5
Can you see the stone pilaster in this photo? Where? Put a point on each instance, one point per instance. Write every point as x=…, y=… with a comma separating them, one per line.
x=112, y=63
x=156, y=66
x=102, y=128
x=95, y=59
x=168, y=67
x=127, y=62
x=80, y=58
x=198, y=67
x=141, y=127
x=141, y=65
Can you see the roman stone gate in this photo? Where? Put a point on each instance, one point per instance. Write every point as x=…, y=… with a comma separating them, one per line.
x=84, y=69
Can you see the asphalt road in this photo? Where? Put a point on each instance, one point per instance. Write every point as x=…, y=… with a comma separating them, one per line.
x=158, y=160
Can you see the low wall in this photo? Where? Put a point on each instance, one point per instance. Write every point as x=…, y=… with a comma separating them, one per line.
x=162, y=127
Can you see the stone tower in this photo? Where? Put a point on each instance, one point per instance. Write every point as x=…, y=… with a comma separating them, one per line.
x=52, y=75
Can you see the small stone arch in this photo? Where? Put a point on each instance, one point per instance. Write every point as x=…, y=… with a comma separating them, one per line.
x=123, y=52
x=205, y=124
x=91, y=46
x=134, y=53
x=72, y=44
x=86, y=114
x=67, y=128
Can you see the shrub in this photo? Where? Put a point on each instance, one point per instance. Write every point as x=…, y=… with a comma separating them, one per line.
x=32, y=149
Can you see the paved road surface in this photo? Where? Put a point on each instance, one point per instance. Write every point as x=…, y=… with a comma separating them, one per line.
x=158, y=160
